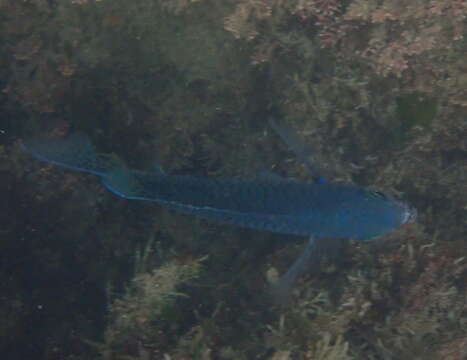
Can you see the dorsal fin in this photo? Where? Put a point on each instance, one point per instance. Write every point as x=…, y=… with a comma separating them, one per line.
x=291, y=139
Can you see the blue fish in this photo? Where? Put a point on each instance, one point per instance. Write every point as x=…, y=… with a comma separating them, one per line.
x=319, y=209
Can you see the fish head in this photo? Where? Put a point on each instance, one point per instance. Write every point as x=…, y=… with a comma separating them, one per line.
x=374, y=213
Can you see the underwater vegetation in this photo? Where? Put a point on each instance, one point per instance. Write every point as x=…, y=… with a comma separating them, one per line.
x=378, y=90
x=148, y=315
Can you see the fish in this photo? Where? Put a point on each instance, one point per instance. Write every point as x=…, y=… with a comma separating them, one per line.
x=319, y=210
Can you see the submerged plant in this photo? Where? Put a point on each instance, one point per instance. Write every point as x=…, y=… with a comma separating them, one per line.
x=143, y=318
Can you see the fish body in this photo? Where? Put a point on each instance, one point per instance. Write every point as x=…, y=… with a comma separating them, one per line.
x=322, y=210
x=287, y=207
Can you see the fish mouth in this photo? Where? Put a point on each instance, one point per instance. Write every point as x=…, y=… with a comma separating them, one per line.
x=409, y=215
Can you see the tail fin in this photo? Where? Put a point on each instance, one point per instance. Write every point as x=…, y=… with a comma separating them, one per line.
x=75, y=152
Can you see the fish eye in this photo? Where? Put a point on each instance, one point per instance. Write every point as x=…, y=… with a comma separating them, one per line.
x=378, y=194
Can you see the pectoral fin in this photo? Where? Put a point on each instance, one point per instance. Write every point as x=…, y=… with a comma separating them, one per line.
x=309, y=261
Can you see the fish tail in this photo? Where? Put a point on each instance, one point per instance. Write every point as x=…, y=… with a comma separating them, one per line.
x=75, y=152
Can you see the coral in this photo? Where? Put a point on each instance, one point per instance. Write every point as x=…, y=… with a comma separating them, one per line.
x=411, y=40
x=242, y=23
x=404, y=39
